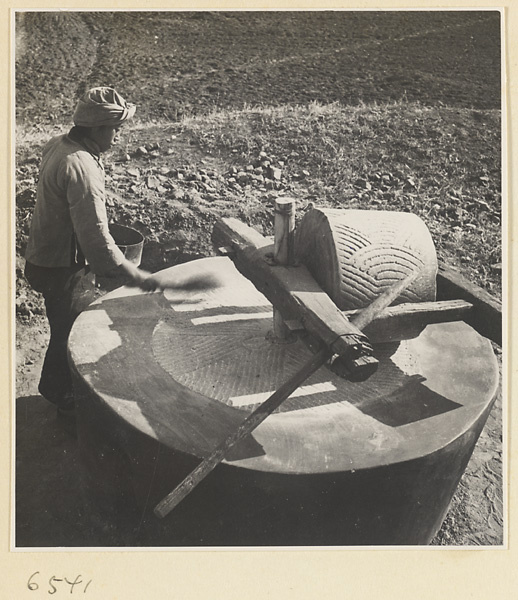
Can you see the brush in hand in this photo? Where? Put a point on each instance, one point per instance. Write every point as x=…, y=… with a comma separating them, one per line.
x=195, y=282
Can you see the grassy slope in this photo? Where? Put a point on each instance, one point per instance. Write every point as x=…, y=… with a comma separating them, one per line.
x=369, y=157
x=373, y=157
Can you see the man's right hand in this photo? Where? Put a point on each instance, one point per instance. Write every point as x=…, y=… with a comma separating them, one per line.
x=138, y=277
x=147, y=281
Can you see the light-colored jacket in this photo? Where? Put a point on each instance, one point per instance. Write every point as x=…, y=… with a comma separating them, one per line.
x=70, y=209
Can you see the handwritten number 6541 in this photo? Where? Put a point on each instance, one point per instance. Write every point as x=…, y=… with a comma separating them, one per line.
x=33, y=585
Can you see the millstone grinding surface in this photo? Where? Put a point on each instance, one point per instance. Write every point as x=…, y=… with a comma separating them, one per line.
x=185, y=367
x=229, y=356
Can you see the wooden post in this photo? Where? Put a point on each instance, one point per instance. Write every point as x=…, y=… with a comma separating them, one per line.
x=284, y=229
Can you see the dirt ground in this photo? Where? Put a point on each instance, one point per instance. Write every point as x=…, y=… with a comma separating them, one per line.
x=173, y=74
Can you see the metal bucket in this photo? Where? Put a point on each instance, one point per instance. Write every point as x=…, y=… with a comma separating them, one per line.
x=129, y=240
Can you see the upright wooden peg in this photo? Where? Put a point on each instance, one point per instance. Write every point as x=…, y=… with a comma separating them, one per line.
x=284, y=230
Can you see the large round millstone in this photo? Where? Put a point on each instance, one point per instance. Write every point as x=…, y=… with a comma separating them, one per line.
x=162, y=378
x=356, y=254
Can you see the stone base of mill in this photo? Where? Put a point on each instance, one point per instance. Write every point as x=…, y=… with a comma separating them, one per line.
x=161, y=379
x=128, y=472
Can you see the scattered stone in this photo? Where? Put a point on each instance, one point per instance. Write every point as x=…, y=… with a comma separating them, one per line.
x=274, y=173
x=142, y=151
x=363, y=184
x=152, y=182
x=242, y=177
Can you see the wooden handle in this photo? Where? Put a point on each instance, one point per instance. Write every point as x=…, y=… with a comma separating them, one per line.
x=363, y=318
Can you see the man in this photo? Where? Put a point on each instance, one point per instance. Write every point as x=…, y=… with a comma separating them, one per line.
x=70, y=225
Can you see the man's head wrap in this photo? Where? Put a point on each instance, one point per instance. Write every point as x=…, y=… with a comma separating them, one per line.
x=102, y=106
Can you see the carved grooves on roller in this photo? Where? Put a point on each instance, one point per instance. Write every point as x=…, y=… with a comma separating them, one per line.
x=350, y=241
x=369, y=266
x=359, y=288
x=355, y=255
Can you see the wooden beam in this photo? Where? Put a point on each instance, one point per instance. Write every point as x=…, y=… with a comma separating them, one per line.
x=486, y=316
x=295, y=294
x=407, y=321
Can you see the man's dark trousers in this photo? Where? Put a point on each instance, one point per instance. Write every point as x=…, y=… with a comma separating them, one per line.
x=67, y=292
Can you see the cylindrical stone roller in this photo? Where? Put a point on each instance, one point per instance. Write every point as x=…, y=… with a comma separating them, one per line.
x=356, y=254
